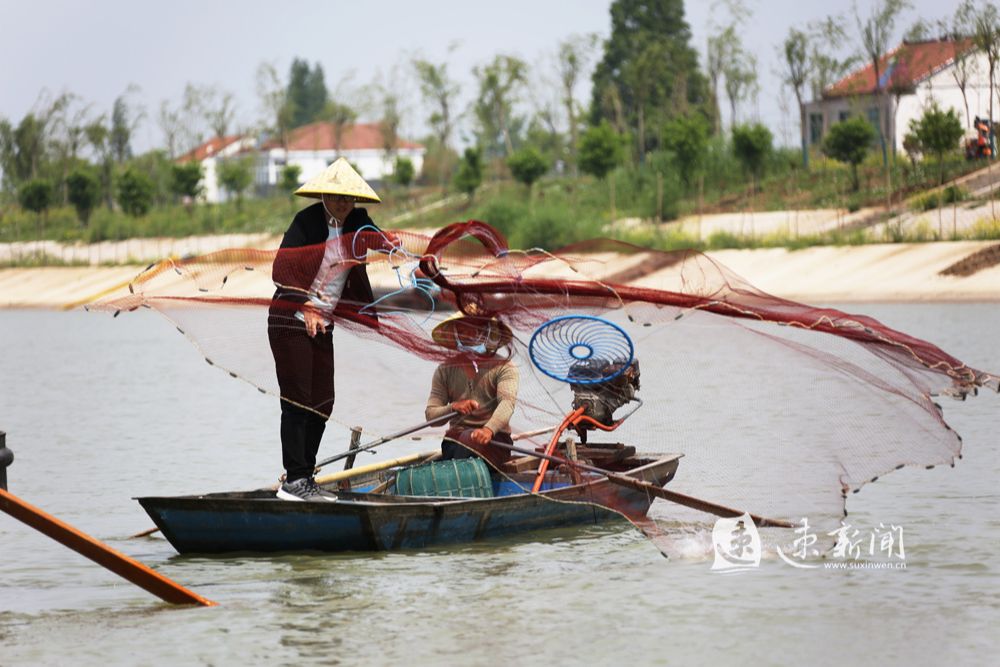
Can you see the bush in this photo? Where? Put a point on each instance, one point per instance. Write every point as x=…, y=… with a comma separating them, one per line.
x=236, y=176
x=931, y=200
x=752, y=145
x=35, y=195
x=185, y=179
x=527, y=165
x=291, y=177
x=849, y=142
x=135, y=192
x=403, y=172
x=470, y=172
x=600, y=150
x=84, y=190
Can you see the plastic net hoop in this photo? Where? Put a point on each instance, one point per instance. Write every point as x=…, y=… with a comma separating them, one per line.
x=581, y=349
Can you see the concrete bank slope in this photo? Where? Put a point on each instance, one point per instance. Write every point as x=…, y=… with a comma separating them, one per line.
x=890, y=272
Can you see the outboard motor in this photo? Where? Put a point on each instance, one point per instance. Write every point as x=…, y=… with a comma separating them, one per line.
x=600, y=398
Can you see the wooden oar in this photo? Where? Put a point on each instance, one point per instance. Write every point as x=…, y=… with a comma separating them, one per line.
x=381, y=441
x=85, y=545
x=653, y=489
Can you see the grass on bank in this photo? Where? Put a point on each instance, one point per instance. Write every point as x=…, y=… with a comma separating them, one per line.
x=561, y=210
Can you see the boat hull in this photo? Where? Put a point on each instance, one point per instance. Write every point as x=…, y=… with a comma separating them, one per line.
x=256, y=521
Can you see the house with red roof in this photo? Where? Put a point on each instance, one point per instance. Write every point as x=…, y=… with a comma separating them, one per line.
x=911, y=77
x=209, y=154
x=315, y=146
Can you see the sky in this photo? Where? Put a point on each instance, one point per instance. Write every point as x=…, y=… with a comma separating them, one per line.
x=96, y=50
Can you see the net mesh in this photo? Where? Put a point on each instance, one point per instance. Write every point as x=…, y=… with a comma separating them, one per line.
x=779, y=408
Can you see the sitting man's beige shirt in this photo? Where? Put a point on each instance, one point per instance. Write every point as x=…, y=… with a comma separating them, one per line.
x=452, y=383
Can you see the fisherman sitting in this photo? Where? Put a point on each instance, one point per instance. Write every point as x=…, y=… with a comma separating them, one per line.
x=478, y=384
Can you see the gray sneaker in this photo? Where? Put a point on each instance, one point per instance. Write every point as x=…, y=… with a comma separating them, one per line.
x=304, y=489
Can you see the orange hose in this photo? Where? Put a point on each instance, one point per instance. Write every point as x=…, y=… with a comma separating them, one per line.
x=544, y=465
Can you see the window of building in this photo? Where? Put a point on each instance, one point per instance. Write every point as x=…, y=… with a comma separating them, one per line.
x=815, y=128
x=873, y=116
x=843, y=115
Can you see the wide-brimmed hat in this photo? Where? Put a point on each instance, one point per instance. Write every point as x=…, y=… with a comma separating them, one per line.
x=444, y=333
x=339, y=178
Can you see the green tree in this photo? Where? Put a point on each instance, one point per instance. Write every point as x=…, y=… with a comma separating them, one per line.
x=185, y=179
x=25, y=149
x=875, y=34
x=97, y=135
x=752, y=145
x=687, y=138
x=573, y=57
x=403, y=172
x=306, y=92
x=527, y=165
x=278, y=108
x=135, y=192
x=938, y=132
x=438, y=91
x=235, y=176
x=797, y=69
x=35, y=195
x=84, y=191
x=291, y=178
x=124, y=121
x=849, y=141
x=600, y=153
x=649, y=42
x=340, y=116
x=470, y=172
x=499, y=83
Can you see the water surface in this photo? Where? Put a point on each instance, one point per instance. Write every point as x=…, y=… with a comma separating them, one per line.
x=100, y=410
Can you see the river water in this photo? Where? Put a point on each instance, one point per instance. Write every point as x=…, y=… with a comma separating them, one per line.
x=88, y=435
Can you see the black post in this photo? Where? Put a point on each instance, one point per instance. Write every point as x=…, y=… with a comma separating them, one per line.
x=6, y=458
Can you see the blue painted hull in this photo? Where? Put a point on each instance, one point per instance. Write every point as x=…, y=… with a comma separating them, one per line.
x=256, y=521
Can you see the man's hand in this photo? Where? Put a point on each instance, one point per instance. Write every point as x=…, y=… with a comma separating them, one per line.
x=314, y=321
x=465, y=406
x=481, y=436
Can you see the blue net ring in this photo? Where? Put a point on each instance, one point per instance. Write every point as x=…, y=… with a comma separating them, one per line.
x=581, y=349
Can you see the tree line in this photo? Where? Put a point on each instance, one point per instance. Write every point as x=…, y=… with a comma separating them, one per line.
x=652, y=99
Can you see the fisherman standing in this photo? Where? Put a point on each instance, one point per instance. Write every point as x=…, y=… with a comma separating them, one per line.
x=316, y=278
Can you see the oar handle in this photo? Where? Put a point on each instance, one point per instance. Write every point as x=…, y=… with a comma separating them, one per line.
x=385, y=439
x=653, y=489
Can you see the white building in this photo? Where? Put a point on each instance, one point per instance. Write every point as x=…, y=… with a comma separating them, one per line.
x=314, y=147
x=914, y=74
x=209, y=154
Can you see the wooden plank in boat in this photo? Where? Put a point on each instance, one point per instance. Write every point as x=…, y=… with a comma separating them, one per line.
x=521, y=464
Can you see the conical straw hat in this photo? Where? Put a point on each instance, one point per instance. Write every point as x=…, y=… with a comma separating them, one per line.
x=339, y=179
x=444, y=333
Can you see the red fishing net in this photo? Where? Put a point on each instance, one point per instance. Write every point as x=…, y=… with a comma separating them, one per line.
x=779, y=408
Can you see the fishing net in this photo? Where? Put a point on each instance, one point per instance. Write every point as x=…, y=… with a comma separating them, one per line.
x=779, y=408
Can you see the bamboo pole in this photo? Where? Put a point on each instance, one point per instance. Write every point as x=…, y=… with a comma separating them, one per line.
x=373, y=467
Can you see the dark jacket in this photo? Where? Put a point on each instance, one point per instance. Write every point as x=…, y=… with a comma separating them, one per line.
x=301, y=254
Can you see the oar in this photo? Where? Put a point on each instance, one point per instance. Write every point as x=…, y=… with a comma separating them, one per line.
x=381, y=441
x=653, y=489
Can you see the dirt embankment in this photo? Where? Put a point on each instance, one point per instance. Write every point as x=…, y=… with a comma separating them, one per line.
x=955, y=271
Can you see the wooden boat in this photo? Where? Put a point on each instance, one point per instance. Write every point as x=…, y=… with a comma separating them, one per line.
x=256, y=521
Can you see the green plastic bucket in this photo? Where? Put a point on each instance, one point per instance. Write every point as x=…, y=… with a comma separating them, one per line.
x=457, y=478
